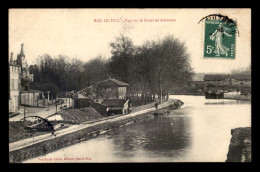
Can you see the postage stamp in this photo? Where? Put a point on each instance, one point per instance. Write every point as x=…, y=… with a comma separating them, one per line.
x=219, y=39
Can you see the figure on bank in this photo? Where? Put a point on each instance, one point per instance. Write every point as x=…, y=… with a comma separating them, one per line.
x=156, y=105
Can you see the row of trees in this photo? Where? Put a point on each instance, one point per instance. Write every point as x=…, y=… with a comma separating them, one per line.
x=150, y=69
x=246, y=70
x=56, y=74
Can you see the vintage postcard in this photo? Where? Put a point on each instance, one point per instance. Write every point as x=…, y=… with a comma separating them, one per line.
x=129, y=85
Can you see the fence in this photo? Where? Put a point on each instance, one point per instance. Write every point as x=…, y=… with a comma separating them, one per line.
x=150, y=105
x=82, y=103
x=139, y=108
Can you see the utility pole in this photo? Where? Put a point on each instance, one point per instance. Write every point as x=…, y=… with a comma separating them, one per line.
x=48, y=100
x=24, y=113
x=66, y=98
x=56, y=103
x=69, y=101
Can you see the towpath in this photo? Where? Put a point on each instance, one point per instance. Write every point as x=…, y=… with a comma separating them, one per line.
x=31, y=141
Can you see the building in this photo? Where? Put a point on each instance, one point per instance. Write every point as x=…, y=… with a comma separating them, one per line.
x=14, y=85
x=34, y=98
x=110, y=93
x=216, y=80
x=107, y=89
x=20, y=78
x=116, y=106
x=215, y=85
x=241, y=80
x=111, y=89
x=26, y=77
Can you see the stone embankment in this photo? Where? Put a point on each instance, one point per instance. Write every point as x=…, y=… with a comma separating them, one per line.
x=23, y=150
x=240, y=145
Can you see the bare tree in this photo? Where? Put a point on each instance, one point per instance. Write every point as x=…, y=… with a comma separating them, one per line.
x=122, y=51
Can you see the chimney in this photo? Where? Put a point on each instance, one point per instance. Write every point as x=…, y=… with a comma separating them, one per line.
x=22, y=53
x=11, y=58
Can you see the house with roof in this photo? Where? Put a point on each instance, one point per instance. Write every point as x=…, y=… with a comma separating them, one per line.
x=14, y=85
x=32, y=97
x=242, y=82
x=111, y=89
x=224, y=83
x=216, y=84
x=107, y=89
x=111, y=93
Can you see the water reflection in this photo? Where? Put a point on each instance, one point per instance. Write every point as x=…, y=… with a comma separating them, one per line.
x=160, y=136
x=229, y=102
x=198, y=132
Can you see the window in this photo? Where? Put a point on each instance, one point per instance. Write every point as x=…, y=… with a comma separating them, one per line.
x=19, y=84
x=15, y=84
x=12, y=84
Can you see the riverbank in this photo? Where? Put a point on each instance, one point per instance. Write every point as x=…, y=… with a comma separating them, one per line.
x=240, y=145
x=41, y=145
x=242, y=98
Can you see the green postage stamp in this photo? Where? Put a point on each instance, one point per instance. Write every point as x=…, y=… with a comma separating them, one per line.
x=219, y=39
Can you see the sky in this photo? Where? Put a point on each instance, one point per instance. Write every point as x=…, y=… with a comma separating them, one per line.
x=74, y=33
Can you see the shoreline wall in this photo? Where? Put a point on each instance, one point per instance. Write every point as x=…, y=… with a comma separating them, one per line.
x=240, y=145
x=51, y=145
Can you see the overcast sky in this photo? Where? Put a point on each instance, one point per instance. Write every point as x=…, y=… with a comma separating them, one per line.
x=74, y=33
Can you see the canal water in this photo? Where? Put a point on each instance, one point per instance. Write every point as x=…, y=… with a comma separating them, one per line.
x=200, y=131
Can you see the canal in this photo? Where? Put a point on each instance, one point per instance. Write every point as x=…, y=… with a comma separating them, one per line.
x=200, y=131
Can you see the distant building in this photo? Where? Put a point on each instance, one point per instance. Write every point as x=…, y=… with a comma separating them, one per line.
x=241, y=80
x=14, y=85
x=215, y=85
